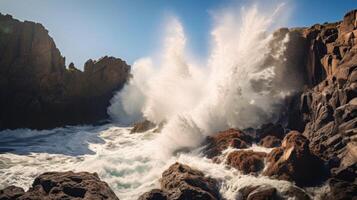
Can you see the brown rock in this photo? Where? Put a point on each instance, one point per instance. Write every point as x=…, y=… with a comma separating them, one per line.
x=154, y=194
x=181, y=182
x=69, y=185
x=142, y=126
x=270, y=141
x=11, y=193
x=262, y=192
x=225, y=139
x=246, y=161
x=294, y=161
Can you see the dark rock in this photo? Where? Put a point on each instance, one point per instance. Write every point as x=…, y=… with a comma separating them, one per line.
x=270, y=141
x=275, y=130
x=142, y=126
x=181, y=182
x=246, y=161
x=293, y=161
x=225, y=139
x=154, y=194
x=341, y=190
x=68, y=185
x=11, y=193
x=36, y=89
x=262, y=192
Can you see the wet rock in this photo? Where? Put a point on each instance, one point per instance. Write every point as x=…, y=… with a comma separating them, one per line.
x=154, y=194
x=143, y=126
x=293, y=161
x=295, y=193
x=262, y=192
x=11, y=193
x=181, y=182
x=341, y=190
x=230, y=138
x=246, y=161
x=270, y=141
x=68, y=185
x=38, y=91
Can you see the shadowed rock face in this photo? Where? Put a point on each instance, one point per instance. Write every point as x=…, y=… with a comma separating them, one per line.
x=62, y=185
x=36, y=89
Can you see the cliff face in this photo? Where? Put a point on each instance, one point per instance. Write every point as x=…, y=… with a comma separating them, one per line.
x=326, y=111
x=36, y=89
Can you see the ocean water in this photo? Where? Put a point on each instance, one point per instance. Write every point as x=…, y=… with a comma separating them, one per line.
x=126, y=161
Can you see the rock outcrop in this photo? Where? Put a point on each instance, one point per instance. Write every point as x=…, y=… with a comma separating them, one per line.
x=246, y=161
x=233, y=138
x=62, y=185
x=36, y=88
x=180, y=182
x=326, y=110
x=293, y=161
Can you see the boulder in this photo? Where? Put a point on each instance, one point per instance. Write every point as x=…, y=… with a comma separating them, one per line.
x=154, y=194
x=63, y=185
x=293, y=161
x=38, y=91
x=261, y=192
x=11, y=193
x=233, y=138
x=182, y=182
x=270, y=141
x=246, y=161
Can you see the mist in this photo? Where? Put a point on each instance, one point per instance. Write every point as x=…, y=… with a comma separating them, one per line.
x=240, y=86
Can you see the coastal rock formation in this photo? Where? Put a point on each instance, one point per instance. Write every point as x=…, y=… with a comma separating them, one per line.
x=291, y=161
x=62, y=185
x=36, y=88
x=180, y=182
x=326, y=110
x=225, y=139
x=246, y=161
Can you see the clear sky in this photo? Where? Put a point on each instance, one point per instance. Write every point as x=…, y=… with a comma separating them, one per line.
x=131, y=29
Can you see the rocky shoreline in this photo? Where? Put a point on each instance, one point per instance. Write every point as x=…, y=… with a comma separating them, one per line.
x=316, y=146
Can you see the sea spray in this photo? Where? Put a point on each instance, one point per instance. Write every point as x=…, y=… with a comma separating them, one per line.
x=239, y=87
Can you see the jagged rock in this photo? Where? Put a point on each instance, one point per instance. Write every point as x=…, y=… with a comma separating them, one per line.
x=270, y=141
x=11, y=193
x=64, y=185
x=326, y=110
x=225, y=139
x=181, y=182
x=293, y=161
x=36, y=89
x=143, y=126
x=246, y=161
x=261, y=192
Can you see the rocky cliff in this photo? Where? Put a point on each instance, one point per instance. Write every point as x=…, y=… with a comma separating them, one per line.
x=36, y=88
x=326, y=110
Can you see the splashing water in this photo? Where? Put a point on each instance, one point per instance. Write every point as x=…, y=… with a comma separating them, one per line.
x=238, y=87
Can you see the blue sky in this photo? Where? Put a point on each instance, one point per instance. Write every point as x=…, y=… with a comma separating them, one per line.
x=131, y=29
